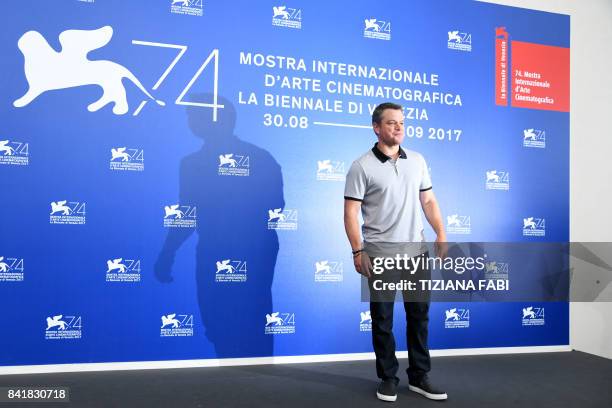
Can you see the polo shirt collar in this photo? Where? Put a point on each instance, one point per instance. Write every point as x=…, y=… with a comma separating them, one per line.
x=383, y=157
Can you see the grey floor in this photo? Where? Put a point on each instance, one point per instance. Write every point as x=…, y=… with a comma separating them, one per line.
x=556, y=380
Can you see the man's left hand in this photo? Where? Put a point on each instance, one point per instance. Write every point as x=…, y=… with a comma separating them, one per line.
x=441, y=247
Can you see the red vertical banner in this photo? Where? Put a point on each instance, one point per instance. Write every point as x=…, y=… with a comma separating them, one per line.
x=501, y=66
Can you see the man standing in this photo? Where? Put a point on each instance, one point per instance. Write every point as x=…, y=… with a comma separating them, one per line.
x=387, y=183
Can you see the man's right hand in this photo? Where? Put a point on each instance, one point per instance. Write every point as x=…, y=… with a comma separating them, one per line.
x=362, y=263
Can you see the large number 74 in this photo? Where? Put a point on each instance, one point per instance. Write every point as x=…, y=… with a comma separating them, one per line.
x=213, y=56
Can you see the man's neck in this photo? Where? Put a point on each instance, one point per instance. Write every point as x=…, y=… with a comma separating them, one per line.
x=391, y=151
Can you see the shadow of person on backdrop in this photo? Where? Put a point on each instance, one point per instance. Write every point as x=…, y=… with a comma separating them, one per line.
x=232, y=224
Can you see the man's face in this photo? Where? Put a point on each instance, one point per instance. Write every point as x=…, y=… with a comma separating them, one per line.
x=390, y=130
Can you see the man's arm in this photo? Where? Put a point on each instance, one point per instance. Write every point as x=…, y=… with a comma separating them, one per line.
x=432, y=212
x=351, y=226
x=430, y=207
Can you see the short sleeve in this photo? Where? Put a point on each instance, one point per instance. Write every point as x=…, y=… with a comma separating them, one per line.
x=425, y=177
x=355, y=186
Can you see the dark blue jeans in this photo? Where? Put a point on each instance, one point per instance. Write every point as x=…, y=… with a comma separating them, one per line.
x=417, y=322
x=417, y=329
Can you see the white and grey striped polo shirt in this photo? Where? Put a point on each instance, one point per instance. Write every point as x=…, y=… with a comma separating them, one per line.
x=389, y=194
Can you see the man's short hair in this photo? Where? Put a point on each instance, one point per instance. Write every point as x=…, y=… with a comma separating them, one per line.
x=378, y=111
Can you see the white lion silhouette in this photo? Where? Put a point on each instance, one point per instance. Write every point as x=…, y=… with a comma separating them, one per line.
x=60, y=206
x=451, y=314
x=324, y=165
x=529, y=222
x=274, y=319
x=492, y=176
x=453, y=220
x=227, y=159
x=46, y=69
x=170, y=319
x=55, y=321
x=365, y=317
x=370, y=24
x=120, y=152
x=8, y=150
x=280, y=11
x=454, y=36
x=173, y=210
x=529, y=134
x=528, y=312
x=116, y=264
x=4, y=267
x=225, y=266
x=276, y=213
x=322, y=266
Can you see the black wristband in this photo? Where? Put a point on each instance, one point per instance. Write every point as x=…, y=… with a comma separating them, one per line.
x=357, y=251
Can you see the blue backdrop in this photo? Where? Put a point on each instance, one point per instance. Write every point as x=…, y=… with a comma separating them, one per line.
x=151, y=234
